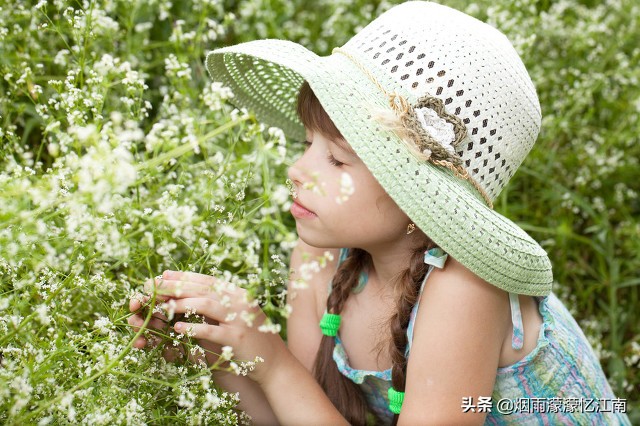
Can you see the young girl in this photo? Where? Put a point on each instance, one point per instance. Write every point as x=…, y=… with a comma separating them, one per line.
x=435, y=308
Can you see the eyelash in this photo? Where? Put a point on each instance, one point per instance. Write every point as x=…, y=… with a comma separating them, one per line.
x=333, y=161
x=330, y=157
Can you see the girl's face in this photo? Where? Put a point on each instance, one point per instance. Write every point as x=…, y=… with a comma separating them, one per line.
x=328, y=218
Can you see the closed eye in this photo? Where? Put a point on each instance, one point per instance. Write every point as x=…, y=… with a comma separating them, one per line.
x=333, y=161
x=330, y=157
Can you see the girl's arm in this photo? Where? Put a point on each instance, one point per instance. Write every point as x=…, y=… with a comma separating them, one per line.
x=459, y=330
x=303, y=333
x=308, y=301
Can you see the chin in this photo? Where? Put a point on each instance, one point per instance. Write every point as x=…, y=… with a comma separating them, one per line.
x=317, y=239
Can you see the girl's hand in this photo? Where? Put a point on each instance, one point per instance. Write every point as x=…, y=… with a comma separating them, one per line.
x=231, y=318
x=160, y=325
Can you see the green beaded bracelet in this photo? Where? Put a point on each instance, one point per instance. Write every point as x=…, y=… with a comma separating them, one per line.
x=395, y=400
x=329, y=324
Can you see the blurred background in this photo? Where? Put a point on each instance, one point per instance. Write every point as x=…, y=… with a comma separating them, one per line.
x=119, y=158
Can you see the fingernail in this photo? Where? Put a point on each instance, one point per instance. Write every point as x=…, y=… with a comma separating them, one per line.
x=178, y=327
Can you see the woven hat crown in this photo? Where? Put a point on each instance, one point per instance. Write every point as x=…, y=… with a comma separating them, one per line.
x=429, y=49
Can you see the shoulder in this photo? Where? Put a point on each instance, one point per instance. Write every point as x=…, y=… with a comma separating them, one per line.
x=458, y=334
x=455, y=284
x=456, y=297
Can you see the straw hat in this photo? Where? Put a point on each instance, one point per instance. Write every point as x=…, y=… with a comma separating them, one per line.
x=462, y=93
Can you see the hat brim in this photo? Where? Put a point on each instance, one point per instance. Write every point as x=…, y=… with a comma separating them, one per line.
x=265, y=76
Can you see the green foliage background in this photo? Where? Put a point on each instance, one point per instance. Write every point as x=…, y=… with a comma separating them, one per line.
x=119, y=158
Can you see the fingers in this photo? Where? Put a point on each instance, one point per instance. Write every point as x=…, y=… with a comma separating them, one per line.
x=180, y=284
x=188, y=284
x=210, y=308
x=134, y=304
x=173, y=353
x=181, y=288
x=152, y=284
x=157, y=324
x=184, y=293
x=211, y=333
x=193, y=277
x=140, y=343
x=136, y=322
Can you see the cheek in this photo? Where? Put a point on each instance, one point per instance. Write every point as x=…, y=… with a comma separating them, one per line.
x=332, y=187
x=389, y=211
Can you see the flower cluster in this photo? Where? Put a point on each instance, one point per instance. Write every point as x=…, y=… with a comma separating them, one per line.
x=120, y=160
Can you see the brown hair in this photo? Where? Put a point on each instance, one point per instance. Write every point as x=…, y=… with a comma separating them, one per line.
x=344, y=393
x=313, y=115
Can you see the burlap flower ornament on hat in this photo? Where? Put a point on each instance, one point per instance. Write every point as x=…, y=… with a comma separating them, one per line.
x=433, y=132
x=438, y=128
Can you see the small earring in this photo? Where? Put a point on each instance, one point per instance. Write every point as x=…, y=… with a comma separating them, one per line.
x=411, y=227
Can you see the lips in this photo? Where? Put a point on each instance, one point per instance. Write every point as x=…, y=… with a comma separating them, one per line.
x=300, y=211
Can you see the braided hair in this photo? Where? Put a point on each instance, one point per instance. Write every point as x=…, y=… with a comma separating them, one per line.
x=408, y=286
x=344, y=393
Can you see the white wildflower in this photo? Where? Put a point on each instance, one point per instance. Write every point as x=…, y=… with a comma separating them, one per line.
x=170, y=309
x=227, y=353
x=103, y=325
x=346, y=188
x=248, y=318
x=175, y=68
x=43, y=314
x=269, y=327
x=245, y=367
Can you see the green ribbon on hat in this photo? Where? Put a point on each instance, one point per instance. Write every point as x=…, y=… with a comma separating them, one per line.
x=329, y=324
x=395, y=400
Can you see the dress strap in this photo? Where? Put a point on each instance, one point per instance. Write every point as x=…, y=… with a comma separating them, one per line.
x=343, y=255
x=517, y=338
x=435, y=257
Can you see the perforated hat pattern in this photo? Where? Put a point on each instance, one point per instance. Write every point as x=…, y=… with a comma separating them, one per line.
x=474, y=71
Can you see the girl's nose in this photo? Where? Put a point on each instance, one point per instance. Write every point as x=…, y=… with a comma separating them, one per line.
x=296, y=171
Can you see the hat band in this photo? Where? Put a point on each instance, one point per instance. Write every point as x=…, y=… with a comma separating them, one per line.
x=414, y=124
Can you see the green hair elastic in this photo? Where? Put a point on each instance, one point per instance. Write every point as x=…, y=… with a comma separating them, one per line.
x=329, y=324
x=395, y=400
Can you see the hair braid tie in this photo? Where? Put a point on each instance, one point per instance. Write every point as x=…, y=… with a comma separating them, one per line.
x=342, y=392
x=395, y=400
x=329, y=324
